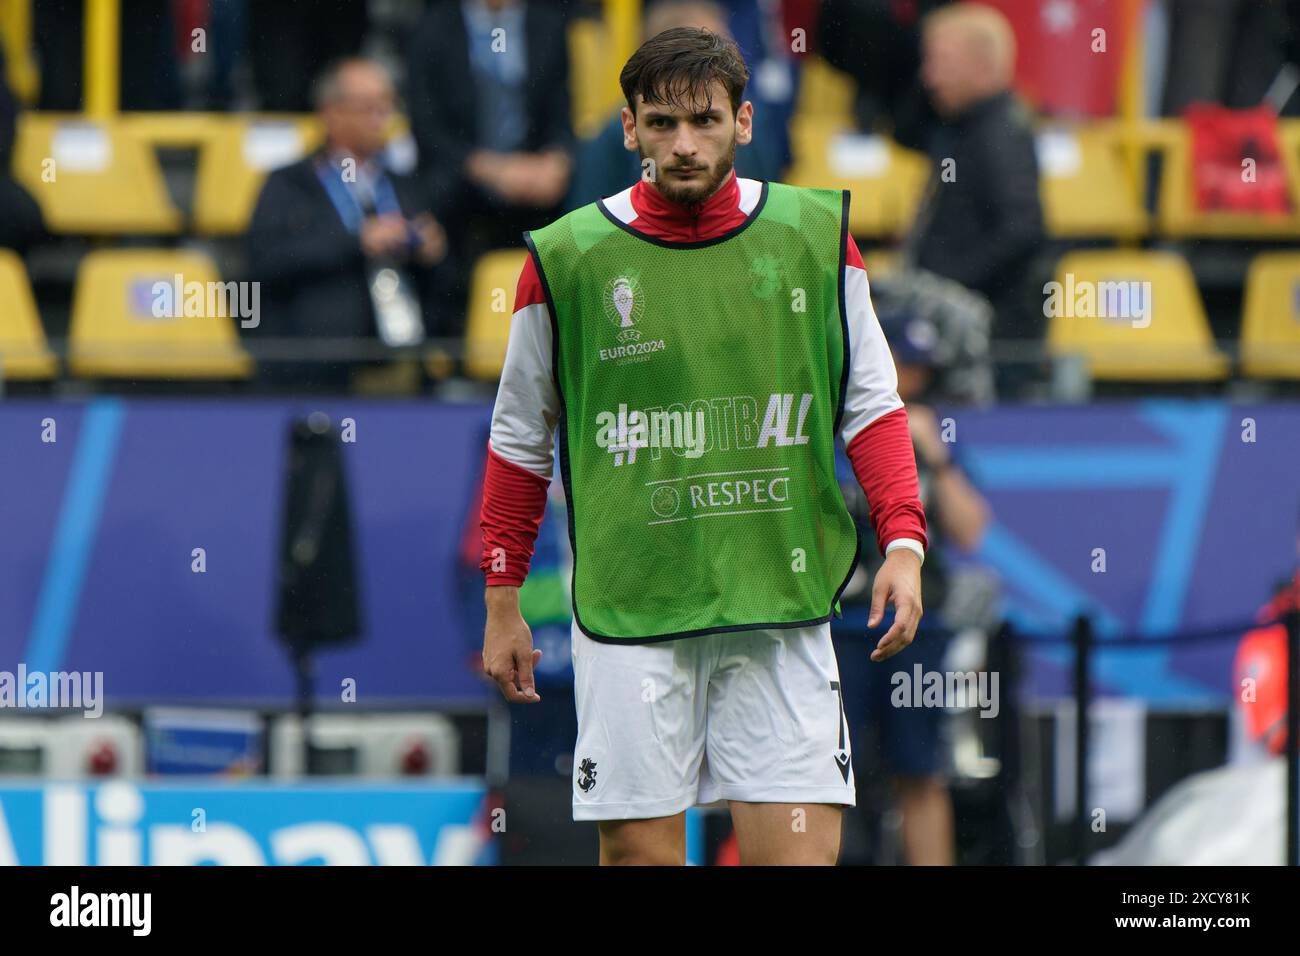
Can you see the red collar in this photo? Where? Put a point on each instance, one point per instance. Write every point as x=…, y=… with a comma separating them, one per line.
x=664, y=219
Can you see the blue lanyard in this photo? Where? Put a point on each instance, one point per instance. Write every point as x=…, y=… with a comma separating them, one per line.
x=345, y=202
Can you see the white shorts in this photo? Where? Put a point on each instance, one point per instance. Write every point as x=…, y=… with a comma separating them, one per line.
x=755, y=716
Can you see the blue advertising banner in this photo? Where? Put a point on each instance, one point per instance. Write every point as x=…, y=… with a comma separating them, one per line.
x=101, y=526
x=244, y=823
x=1157, y=517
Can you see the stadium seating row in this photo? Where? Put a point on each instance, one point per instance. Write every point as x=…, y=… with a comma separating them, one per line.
x=1130, y=316
x=127, y=320
x=103, y=178
x=1089, y=188
x=98, y=178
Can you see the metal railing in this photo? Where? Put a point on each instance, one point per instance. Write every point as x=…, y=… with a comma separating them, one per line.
x=1082, y=637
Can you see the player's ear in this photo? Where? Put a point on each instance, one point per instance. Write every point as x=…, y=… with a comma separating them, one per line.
x=629, y=130
x=745, y=123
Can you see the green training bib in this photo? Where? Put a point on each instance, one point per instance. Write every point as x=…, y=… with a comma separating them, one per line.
x=702, y=385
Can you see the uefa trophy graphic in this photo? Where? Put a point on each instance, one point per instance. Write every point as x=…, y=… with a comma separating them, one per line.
x=621, y=294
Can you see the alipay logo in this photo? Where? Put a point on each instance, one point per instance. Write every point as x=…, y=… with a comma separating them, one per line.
x=249, y=824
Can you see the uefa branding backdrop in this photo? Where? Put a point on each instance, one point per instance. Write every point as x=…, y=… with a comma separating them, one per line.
x=1166, y=484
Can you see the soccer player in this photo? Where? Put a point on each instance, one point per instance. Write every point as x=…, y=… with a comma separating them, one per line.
x=696, y=343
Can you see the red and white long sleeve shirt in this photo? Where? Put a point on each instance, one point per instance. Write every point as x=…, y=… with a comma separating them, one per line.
x=520, y=448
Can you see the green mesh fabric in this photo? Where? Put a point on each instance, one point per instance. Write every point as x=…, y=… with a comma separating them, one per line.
x=679, y=529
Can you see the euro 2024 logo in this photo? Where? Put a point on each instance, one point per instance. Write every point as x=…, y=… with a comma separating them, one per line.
x=624, y=304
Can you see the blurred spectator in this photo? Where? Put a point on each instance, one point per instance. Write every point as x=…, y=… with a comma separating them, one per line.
x=323, y=224
x=289, y=43
x=490, y=113
x=980, y=222
x=963, y=371
x=910, y=738
x=1260, y=668
x=21, y=224
x=605, y=165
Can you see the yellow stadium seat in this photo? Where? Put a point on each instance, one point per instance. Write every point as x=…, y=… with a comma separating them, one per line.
x=1178, y=216
x=166, y=130
x=24, y=353
x=92, y=177
x=235, y=161
x=1270, y=326
x=1132, y=316
x=825, y=91
x=1085, y=190
x=886, y=180
x=491, y=304
x=129, y=322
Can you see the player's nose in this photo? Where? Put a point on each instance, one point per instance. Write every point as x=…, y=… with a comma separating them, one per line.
x=685, y=146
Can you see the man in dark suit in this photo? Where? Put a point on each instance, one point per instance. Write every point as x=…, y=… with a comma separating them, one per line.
x=322, y=224
x=489, y=106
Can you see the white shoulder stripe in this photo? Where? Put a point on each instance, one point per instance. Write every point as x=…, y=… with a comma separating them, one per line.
x=620, y=206
x=750, y=190
x=872, y=389
x=527, y=408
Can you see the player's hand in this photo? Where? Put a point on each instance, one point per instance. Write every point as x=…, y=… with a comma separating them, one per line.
x=898, y=582
x=508, y=653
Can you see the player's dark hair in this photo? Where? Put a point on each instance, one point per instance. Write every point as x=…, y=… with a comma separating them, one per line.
x=678, y=66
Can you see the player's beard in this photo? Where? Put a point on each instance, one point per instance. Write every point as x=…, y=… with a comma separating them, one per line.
x=692, y=193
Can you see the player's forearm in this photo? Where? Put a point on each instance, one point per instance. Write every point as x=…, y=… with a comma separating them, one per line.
x=514, y=501
x=885, y=466
x=874, y=422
